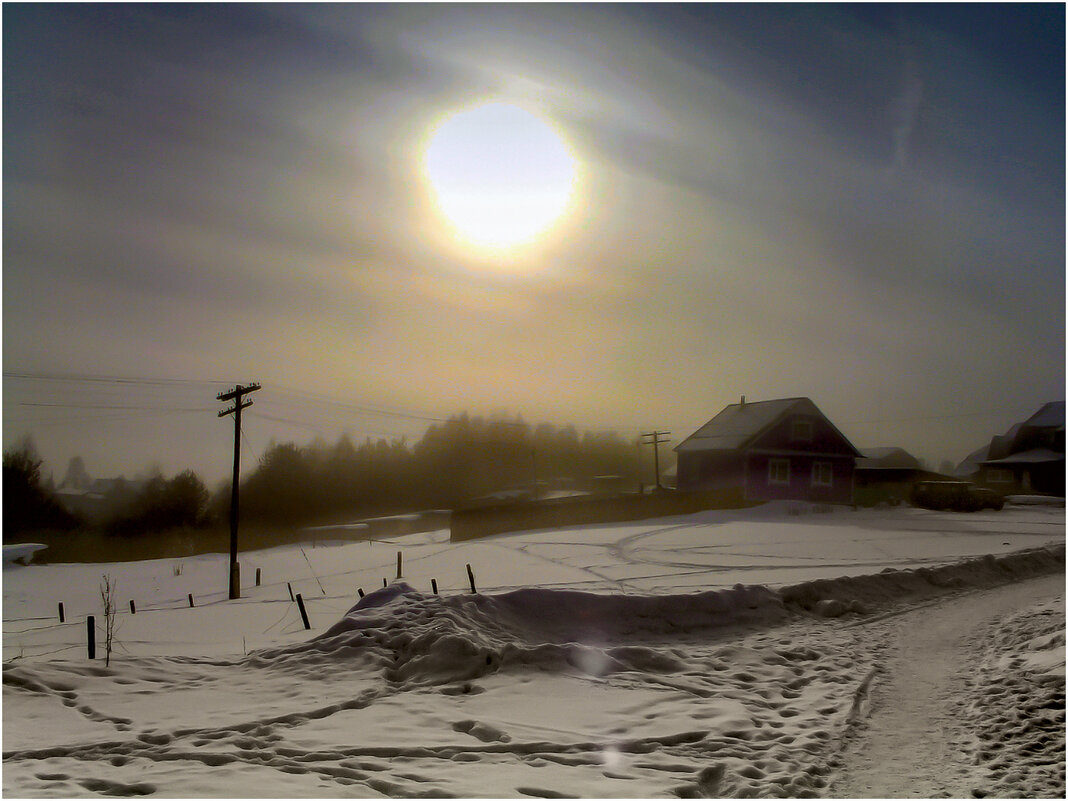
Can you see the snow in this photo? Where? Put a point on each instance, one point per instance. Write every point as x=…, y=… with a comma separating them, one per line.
x=681, y=656
x=22, y=552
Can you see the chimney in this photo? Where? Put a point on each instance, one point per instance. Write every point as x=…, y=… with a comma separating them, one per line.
x=742, y=404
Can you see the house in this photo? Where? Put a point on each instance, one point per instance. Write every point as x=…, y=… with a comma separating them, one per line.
x=1028, y=458
x=888, y=475
x=769, y=450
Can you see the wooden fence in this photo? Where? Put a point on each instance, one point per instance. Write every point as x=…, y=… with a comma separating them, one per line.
x=559, y=512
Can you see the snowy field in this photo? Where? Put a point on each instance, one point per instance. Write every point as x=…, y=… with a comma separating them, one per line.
x=682, y=656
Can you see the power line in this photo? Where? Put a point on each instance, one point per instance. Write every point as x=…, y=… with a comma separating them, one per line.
x=103, y=379
x=115, y=406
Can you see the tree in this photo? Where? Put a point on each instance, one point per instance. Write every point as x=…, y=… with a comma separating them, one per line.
x=161, y=505
x=27, y=505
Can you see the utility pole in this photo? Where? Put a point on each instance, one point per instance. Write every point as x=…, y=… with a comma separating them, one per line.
x=236, y=394
x=655, y=440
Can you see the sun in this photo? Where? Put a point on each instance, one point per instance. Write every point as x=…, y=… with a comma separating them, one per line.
x=499, y=175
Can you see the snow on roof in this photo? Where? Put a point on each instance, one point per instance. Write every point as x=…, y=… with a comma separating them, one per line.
x=887, y=458
x=1049, y=416
x=1033, y=456
x=740, y=422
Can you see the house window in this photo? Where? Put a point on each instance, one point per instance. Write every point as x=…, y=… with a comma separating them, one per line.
x=821, y=474
x=801, y=429
x=999, y=475
x=778, y=471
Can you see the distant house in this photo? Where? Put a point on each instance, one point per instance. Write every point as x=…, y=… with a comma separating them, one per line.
x=1028, y=458
x=769, y=450
x=888, y=475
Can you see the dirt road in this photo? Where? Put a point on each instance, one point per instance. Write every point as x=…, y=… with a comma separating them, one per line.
x=954, y=711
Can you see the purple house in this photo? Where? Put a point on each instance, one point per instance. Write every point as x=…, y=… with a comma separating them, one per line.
x=770, y=450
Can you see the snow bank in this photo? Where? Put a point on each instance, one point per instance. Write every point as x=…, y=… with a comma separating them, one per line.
x=21, y=553
x=858, y=592
x=1017, y=706
x=435, y=639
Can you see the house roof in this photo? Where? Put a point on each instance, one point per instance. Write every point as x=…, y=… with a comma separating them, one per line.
x=887, y=458
x=1033, y=456
x=740, y=423
x=1049, y=416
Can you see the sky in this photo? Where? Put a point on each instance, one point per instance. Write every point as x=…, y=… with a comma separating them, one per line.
x=861, y=204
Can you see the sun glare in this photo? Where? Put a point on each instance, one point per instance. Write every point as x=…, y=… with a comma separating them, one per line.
x=500, y=175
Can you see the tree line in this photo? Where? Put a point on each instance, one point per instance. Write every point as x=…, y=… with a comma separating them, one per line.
x=462, y=461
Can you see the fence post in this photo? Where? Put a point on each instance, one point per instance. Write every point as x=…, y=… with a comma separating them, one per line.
x=90, y=633
x=398, y=564
x=471, y=578
x=61, y=618
x=133, y=609
x=257, y=577
x=384, y=582
x=359, y=591
x=434, y=584
x=303, y=612
x=191, y=604
x=291, y=597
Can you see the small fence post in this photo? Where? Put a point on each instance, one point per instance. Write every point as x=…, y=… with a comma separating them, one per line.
x=90, y=633
x=384, y=582
x=191, y=604
x=398, y=564
x=291, y=597
x=303, y=612
x=61, y=618
x=359, y=591
x=471, y=578
x=257, y=577
x=434, y=584
x=133, y=609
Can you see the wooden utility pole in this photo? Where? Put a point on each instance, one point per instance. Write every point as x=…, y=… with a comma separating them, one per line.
x=655, y=440
x=236, y=394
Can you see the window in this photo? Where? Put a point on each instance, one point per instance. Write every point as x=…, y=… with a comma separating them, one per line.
x=999, y=475
x=822, y=474
x=801, y=429
x=778, y=471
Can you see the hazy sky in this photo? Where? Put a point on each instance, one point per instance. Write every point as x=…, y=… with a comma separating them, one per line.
x=861, y=204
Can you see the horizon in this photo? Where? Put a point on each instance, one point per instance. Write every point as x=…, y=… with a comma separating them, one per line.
x=862, y=204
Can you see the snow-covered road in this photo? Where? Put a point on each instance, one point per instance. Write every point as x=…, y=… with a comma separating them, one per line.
x=930, y=733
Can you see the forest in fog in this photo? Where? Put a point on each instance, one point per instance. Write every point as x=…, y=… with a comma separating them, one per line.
x=462, y=461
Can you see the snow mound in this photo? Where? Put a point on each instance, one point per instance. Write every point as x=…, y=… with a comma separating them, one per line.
x=415, y=638
x=433, y=639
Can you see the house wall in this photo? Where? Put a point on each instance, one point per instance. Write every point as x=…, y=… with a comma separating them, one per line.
x=1042, y=477
x=824, y=438
x=709, y=470
x=759, y=486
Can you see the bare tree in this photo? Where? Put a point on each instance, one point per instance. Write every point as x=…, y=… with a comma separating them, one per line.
x=107, y=595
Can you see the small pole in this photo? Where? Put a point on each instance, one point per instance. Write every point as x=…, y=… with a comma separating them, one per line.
x=190, y=600
x=303, y=612
x=61, y=618
x=291, y=597
x=384, y=582
x=434, y=584
x=471, y=578
x=90, y=633
x=133, y=609
x=398, y=564
x=257, y=576
x=359, y=591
